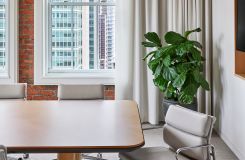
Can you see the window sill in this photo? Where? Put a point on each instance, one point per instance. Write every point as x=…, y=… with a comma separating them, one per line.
x=72, y=78
x=6, y=79
x=82, y=74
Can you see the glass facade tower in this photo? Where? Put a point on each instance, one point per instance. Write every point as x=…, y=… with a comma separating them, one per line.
x=3, y=23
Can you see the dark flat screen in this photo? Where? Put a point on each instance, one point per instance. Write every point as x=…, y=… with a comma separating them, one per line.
x=241, y=25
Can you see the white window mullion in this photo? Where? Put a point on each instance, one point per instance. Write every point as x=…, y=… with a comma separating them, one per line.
x=50, y=37
x=83, y=3
x=9, y=33
x=97, y=35
x=73, y=36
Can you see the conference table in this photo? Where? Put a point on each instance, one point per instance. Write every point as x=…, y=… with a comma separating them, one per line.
x=70, y=127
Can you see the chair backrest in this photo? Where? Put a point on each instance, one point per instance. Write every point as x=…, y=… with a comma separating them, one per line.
x=13, y=91
x=3, y=153
x=80, y=92
x=185, y=128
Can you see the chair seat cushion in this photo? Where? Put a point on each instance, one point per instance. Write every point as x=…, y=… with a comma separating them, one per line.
x=152, y=153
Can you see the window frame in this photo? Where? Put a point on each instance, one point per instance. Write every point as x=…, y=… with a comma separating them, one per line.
x=11, y=48
x=41, y=48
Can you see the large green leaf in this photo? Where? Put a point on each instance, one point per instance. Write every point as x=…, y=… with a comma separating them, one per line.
x=174, y=38
x=197, y=76
x=186, y=96
x=169, y=73
x=183, y=48
x=191, y=89
x=187, y=33
x=167, y=50
x=167, y=61
x=185, y=99
x=170, y=92
x=200, y=79
x=149, y=54
x=160, y=83
x=158, y=70
x=154, y=38
x=205, y=85
x=149, y=44
x=180, y=68
x=161, y=52
x=197, y=44
x=153, y=64
x=180, y=80
x=196, y=54
x=183, y=67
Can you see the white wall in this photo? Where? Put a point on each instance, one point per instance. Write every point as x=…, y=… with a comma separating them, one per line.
x=229, y=90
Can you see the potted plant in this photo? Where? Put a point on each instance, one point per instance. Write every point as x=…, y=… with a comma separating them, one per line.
x=177, y=67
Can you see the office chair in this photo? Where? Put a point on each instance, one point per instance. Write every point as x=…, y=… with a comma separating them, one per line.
x=188, y=135
x=3, y=153
x=13, y=91
x=81, y=92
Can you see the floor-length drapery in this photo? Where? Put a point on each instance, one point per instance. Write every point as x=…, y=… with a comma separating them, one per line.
x=189, y=14
x=135, y=18
x=133, y=78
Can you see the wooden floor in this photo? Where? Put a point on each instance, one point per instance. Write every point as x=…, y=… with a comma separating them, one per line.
x=223, y=152
x=153, y=138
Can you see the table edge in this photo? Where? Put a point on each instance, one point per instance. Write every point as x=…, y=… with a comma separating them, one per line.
x=73, y=149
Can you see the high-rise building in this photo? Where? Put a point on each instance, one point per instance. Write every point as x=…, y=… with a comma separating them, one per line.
x=102, y=41
x=2, y=35
x=107, y=36
x=66, y=38
x=92, y=37
x=110, y=38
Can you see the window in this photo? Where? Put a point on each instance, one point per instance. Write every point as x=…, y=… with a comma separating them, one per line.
x=8, y=33
x=3, y=38
x=83, y=31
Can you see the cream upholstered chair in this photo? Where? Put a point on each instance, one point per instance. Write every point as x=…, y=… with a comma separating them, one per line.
x=81, y=92
x=3, y=153
x=188, y=135
x=13, y=91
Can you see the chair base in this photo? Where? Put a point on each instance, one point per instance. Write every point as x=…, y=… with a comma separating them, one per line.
x=99, y=157
x=152, y=153
x=24, y=157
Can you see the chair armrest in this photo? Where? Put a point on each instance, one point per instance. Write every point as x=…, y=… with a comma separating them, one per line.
x=190, y=148
x=3, y=152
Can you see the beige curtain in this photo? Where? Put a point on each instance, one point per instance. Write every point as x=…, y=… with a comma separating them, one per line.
x=133, y=79
x=189, y=14
x=135, y=18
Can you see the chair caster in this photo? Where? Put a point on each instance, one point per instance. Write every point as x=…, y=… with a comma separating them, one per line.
x=99, y=156
x=26, y=156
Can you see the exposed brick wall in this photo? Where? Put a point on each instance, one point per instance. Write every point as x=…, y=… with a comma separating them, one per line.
x=110, y=92
x=41, y=92
x=26, y=41
x=26, y=57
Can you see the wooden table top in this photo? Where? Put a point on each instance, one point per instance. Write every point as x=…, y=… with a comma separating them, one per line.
x=70, y=126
